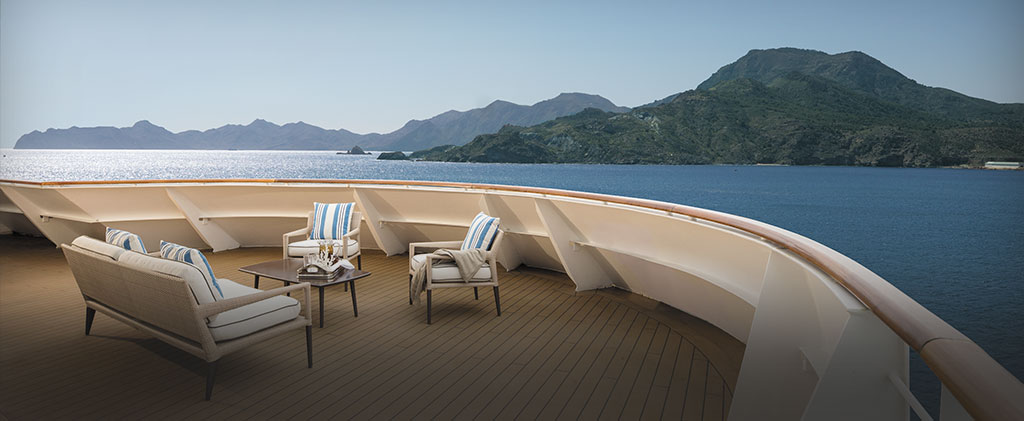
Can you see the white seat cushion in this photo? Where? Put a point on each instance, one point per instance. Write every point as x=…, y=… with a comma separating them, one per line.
x=99, y=247
x=251, y=318
x=304, y=247
x=447, y=271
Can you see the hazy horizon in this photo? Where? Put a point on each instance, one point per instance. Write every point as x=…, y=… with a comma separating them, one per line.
x=372, y=67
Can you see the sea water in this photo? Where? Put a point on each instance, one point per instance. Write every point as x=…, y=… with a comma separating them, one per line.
x=951, y=239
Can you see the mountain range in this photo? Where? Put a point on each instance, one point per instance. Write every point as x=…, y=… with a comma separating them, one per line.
x=779, y=106
x=452, y=127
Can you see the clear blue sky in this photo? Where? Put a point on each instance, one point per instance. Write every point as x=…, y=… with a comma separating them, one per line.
x=371, y=66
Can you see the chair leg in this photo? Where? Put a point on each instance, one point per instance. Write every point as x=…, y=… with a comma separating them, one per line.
x=428, y=306
x=476, y=294
x=497, y=301
x=90, y=314
x=346, y=286
x=211, y=371
x=309, y=346
x=410, y=289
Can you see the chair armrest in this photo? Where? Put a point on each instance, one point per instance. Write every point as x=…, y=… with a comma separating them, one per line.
x=434, y=245
x=344, y=244
x=210, y=309
x=285, y=239
x=296, y=233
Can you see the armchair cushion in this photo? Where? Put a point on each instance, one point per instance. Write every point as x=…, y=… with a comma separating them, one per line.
x=447, y=271
x=250, y=318
x=125, y=240
x=204, y=292
x=195, y=258
x=331, y=221
x=96, y=246
x=481, y=232
x=304, y=247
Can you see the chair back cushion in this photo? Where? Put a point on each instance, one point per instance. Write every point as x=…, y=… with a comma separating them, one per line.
x=481, y=232
x=331, y=221
x=208, y=290
x=125, y=240
x=93, y=245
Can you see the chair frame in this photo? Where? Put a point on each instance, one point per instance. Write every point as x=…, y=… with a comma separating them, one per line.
x=356, y=221
x=492, y=255
x=163, y=306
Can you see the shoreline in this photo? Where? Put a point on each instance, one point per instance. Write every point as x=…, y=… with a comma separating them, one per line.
x=5, y=151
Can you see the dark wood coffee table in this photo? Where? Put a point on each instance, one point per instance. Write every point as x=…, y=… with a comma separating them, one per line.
x=286, y=270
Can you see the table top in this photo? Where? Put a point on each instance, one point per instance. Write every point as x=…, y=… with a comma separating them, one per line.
x=287, y=270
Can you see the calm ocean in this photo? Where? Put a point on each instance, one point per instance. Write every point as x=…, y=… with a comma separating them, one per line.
x=951, y=239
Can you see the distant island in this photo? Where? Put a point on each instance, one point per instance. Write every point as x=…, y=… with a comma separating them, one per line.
x=393, y=156
x=452, y=127
x=779, y=106
x=356, y=150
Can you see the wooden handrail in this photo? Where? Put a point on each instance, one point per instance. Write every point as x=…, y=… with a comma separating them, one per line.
x=983, y=386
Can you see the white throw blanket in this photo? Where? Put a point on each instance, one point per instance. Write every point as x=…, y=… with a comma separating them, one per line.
x=469, y=263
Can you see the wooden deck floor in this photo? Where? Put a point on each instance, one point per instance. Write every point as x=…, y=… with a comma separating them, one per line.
x=553, y=353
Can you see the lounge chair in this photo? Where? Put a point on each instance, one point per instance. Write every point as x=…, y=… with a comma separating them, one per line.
x=350, y=245
x=445, y=274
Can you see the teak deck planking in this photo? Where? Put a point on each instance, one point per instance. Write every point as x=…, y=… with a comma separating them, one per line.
x=553, y=353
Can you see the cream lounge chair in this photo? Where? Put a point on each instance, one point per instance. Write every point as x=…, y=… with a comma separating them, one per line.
x=158, y=297
x=350, y=247
x=446, y=274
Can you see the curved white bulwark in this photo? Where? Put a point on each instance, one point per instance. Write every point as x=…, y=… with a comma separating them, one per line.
x=825, y=338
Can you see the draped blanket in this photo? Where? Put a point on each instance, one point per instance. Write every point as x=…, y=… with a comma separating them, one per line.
x=468, y=262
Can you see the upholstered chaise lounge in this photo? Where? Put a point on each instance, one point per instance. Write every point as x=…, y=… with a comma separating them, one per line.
x=157, y=297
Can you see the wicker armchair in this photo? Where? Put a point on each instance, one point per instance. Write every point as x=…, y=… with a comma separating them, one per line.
x=350, y=247
x=446, y=274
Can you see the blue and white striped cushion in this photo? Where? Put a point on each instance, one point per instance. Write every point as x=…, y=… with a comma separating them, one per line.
x=481, y=232
x=331, y=220
x=195, y=258
x=125, y=240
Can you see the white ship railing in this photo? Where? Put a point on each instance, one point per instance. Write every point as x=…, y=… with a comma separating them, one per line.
x=825, y=337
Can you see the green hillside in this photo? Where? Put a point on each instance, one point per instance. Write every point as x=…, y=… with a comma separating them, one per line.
x=851, y=115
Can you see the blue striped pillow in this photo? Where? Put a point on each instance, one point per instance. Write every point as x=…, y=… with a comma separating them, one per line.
x=125, y=240
x=195, y=258
x=481, y=232
x=331, y=220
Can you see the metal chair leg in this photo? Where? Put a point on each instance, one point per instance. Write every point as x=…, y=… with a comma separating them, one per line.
x=428, y=306
x=309, y=346
x=497, y=301
x=90, y=314
x=476, y=295
x=211, y=371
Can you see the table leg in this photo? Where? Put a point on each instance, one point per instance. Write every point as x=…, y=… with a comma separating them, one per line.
x=352, y=290
x=321, y=307
x=290, y=294
x=256, y=283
